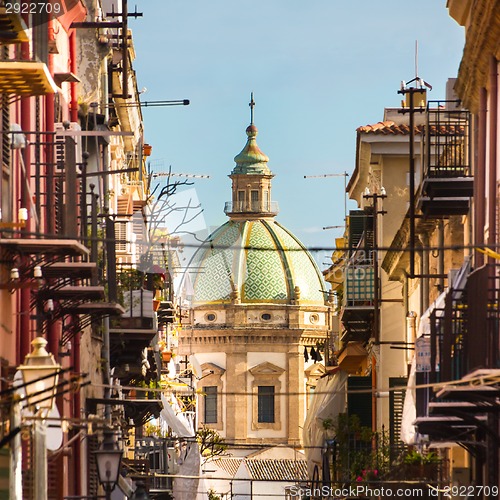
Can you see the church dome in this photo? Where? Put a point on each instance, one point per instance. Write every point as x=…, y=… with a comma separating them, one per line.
x=255, y=261
x=251, y=258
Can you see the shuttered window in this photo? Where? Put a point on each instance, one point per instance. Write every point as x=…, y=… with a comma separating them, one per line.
x=121, y=236
x=210, y=416
x=396, y=403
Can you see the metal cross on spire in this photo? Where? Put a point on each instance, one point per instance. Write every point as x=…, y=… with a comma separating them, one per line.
x=252, y=105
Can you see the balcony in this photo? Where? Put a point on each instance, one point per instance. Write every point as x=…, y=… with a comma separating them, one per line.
x=156, y=458
x=26, y=78
x=132, y=333
x=251, y=207
x=358, y=302
x=466, y=333
x=447, y=183
x=464, y=361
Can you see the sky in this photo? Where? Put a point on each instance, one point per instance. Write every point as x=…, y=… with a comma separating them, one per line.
x=318, y=70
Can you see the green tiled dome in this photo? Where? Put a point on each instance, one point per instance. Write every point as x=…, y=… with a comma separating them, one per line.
x=258, y=259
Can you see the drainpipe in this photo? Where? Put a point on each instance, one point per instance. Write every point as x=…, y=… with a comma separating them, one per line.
x=77, y=404
x=105, y=201
x=23, y=321
x=50, y=226
x=405, y=293
x=73, y=107
x=479, y=178
x=492, y=167
x=424, y=239
x=441, y=254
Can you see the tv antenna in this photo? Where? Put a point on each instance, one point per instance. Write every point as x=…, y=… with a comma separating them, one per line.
x=345, y=175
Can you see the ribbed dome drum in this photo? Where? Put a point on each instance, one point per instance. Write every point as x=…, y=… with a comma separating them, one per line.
x=256, y=261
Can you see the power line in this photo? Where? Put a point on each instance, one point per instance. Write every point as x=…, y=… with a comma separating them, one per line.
x=214, y=246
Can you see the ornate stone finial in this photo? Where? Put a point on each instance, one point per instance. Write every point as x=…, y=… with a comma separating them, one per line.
x=297, y=293
x=235, y=296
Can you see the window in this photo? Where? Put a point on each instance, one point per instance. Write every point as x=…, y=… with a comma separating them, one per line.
x=255, y=200
x=210, y=416
x=241, y=201
x=266, y=404
x=121, y=236
x=211, y=411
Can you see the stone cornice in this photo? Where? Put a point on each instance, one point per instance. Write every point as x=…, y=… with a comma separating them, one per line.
x=212, y=337
x=482, y=42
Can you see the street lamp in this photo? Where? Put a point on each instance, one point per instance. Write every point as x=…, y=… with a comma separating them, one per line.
x=40, y=374
x=108, y=460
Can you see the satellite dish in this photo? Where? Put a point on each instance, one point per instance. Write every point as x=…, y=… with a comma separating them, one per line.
x=172, y=369
x=196, y=367
x=54, y=431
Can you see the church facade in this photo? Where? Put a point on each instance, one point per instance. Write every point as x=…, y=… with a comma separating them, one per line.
x=259, y=316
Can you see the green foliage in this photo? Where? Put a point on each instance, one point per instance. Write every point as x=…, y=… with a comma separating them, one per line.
x=131, y=279
x=361, y=454
x=414, y=457
x=153, y=430
x=328, y=424
x=210, y=442
x=212, y=495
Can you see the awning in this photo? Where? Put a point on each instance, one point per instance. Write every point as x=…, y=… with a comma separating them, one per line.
x=12, y=27
x=26, y=78
x=327, y=402
x=177, y=422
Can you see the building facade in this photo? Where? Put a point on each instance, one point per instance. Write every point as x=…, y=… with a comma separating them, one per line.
x=259, y=317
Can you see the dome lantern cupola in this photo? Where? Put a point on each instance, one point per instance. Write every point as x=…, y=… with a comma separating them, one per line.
x=251, y=188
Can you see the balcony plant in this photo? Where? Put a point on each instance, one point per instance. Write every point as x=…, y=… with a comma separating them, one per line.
x=361, y=455
x=421, y=465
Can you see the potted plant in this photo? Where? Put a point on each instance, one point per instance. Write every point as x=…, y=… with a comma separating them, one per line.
x=421, y=465
x=166, y=356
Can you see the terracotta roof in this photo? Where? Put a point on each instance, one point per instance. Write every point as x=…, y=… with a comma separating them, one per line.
x=388, y=128
x=266, y=469
x=277, y=470
x=230, y=465
x=392, y=128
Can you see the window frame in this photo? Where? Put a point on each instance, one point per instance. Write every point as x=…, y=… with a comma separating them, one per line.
x=212, y=377
x=266, y=374
x=266, y=404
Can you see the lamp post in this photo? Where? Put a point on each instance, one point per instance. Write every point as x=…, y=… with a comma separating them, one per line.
x=108, y=460
x=40, y=374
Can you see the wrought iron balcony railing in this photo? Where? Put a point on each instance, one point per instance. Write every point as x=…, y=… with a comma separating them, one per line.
x=447, y=182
